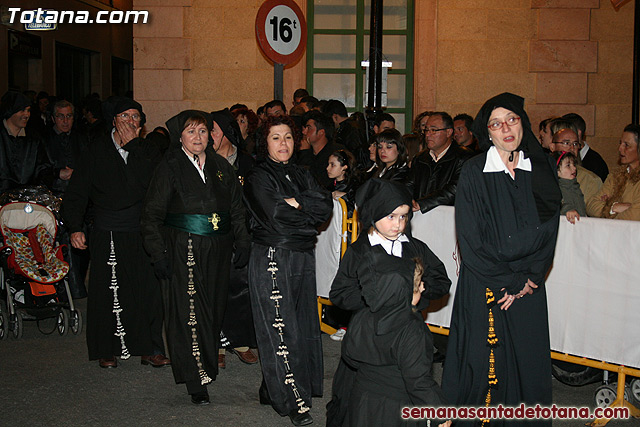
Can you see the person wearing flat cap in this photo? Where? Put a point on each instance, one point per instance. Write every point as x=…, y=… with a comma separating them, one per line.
x=384, y=214
x=507, y=210
x=23, y=155
x=237, y=335
x=193, y=222
x=124, y=306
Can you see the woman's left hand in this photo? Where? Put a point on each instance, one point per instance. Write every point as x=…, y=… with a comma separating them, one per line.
x=291, y=201
x=506, y=301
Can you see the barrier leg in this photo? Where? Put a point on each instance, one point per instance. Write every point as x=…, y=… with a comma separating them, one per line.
x=323, y=326
x=618, y=403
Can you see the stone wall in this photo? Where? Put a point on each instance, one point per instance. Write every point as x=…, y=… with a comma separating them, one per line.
x=560, y=55
x=203, y=54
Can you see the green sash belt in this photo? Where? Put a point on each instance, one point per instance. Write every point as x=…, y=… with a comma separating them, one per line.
x=216, y=224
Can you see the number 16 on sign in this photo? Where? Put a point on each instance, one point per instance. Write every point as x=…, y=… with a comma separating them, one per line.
x=281, y=32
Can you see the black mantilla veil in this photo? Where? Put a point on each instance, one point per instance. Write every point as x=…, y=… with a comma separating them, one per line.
x=377, y=198
x=176, y=125
x=228, y=125
x=545, y=181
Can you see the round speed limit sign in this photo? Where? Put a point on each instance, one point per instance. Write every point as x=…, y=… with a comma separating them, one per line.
x=281, y=31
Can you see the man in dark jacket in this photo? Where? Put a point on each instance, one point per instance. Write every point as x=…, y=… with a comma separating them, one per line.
x=23, y=158
x=434, y=173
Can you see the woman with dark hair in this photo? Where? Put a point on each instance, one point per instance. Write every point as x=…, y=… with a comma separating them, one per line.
x=286, y=205
x=193, y=218
x=342, y=169
x=248, y=123
x=507, y=212
x=619, y=197
x=392, y=156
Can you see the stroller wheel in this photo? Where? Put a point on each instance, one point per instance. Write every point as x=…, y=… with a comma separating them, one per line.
x=63, y=322
x=606, y=394
x=4, y=325
x=635, y=390
x=15, y=325
x=75, y=322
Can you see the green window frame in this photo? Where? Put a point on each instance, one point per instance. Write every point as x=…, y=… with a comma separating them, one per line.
x=361, y=32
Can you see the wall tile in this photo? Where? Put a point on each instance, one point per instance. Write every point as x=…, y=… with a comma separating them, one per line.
x=561, y=88
x=147, y=83
x=163, y=22
x=609, y=88
x=571, y=4
x=564, y=24
x=162, y=53
x=563, y=56
x=462, y=24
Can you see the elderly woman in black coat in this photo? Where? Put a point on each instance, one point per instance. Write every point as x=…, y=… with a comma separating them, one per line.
x=507, y=207
x=287, y=205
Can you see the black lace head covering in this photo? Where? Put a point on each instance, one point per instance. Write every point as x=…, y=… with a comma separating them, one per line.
x=545, y=181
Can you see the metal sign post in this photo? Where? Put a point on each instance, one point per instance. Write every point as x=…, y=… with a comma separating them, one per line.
x=281, y=31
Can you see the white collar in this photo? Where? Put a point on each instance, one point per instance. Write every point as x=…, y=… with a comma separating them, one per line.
x=389, y=246
x=583, y=151
x=441, y=155
x=495, y=164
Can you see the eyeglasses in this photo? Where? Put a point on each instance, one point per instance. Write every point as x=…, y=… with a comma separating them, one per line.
x=433, y=130
x=61, y=116
x=497, y=124
x=125, y=116
x=568, y=143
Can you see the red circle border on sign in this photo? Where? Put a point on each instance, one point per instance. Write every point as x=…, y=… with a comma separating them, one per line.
x=262, y=37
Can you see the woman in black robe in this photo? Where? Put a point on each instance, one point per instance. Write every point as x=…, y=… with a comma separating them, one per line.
x=287, y=205
x=193, y=217
x=237, y=333
x=507, y=207
x=124, y=306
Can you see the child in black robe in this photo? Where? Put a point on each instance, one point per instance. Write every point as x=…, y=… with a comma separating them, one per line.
x=390, y=345
x=384, y=212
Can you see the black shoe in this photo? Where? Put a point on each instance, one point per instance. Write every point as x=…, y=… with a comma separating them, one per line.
x=264, y=395
x=200, y=398
x=298, y=419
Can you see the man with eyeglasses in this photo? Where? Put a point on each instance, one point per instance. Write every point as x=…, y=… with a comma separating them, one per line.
x=590, y=158
x=23, y=157
x=435, y=172
x=567, y=140
x=124, y=308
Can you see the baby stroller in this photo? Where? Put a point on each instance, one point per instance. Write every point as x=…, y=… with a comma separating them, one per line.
x=33, y=273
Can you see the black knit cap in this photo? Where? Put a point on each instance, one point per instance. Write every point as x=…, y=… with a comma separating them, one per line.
x=12, y=102
x=228, y=124
x=377, y=198
x=544, y=180
x=176, y=124
x=115, y=105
